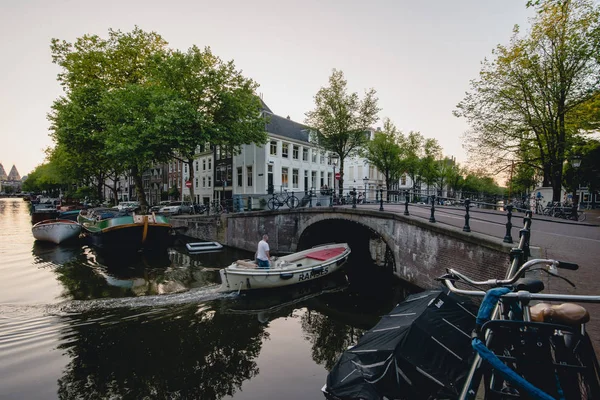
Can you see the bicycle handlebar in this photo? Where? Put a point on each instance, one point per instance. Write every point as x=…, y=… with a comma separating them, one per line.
x=504, y=282
x=553, y=264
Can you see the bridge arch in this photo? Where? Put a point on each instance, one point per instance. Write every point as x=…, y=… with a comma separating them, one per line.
x=421, y=250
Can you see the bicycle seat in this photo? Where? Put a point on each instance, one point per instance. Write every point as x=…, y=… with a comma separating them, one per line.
x=566, y=313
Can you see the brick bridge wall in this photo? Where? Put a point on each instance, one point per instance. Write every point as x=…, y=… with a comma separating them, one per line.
x=422, y=250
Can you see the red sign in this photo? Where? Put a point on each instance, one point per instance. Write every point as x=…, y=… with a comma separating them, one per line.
x=188, y=184
x=337, y=176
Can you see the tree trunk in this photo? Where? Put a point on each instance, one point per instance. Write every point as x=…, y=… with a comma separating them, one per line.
x=190, y=163
x=139, y=188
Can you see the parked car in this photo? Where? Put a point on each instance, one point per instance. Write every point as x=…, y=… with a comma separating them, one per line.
x=177, y=208
x=156, y=208
x=128, y=206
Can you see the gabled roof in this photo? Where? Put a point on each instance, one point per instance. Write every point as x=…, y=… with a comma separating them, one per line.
x=3, y=175
x=287, y=128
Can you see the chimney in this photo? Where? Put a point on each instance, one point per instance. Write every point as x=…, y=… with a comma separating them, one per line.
x=288, y=117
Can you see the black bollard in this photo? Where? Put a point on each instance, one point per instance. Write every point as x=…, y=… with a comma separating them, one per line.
x=508, y=237
x=331, y=198
x=516, y=253
x=380, y=199
x=467, y=228
x=432, y=217
x=353, y=198
x=310, y=199
x=406, y=203
x=525, y=234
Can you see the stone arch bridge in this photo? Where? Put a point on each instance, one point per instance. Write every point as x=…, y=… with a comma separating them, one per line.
x=417, y=251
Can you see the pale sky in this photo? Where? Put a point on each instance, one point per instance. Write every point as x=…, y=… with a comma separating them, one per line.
x=419, y=55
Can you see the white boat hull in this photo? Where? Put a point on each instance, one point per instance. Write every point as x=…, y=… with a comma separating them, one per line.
x=287, y=270
x=56, y=230
x=203, y=247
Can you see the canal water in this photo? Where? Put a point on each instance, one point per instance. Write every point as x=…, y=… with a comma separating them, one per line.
x=79, y=324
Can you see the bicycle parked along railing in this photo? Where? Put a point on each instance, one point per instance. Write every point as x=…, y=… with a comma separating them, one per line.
x=283, y=198
x=529, y=351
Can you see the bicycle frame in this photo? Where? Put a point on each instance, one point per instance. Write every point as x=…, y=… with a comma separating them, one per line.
x=474, y=377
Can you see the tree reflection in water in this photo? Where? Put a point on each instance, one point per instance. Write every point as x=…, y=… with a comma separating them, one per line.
x=182, y=352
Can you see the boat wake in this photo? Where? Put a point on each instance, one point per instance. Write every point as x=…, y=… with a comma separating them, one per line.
x=192, y=296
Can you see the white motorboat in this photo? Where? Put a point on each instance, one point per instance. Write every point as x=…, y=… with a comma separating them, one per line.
x=198, y=247
x=56, y=230
x=287, y=270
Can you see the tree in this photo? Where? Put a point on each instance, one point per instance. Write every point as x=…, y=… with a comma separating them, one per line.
x=227, y=107
x=385, y=152
x=340, y=121
x=531, y=96
x=95, y=72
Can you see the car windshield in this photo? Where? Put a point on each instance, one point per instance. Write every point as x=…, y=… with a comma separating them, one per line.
x=175, y=203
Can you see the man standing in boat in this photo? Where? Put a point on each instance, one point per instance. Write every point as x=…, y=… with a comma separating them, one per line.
x=263, y=252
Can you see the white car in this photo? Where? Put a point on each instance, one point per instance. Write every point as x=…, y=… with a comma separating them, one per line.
x=128, y=206
x=177, y=208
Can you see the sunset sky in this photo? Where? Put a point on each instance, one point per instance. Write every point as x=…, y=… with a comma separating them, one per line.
x=418, y=55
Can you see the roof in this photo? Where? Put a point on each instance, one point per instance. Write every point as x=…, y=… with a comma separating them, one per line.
x=287, y=128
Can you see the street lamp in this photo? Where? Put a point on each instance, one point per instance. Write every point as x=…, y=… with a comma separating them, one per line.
x=333, y=158
x=575, y=163
x=366, y=182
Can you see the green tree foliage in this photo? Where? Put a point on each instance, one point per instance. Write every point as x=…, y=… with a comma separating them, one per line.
x=228, y=110
x=532, y=95
x=93, y=68
x=340, y=120
x=385, y=152
x=44, y=178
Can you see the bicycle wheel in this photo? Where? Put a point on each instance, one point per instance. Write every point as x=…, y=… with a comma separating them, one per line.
x=580, y=216
x=273, y=203
x=293, y=201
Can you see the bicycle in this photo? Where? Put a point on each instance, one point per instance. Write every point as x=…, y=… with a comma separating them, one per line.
x=279, y=199
x=538, y=352
x=216, y=207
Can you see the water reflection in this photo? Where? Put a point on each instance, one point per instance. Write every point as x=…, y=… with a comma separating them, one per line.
x=182, y=352
x=55, y=255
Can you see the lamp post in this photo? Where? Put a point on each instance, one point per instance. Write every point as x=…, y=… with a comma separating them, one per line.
x=222, y=170
x=366, y=182
x=575, y=163
x=333, y=158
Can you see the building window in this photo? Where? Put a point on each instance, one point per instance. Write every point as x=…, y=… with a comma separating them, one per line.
x=295, y=178
x=295, y=152
x=203, y=165
x=403, y=180
x=322, y=179
x=239, y=176
x=196, y=182
x=314, y=156
x=196, y=165
x=209, y=164
x=204, y=182
x=284, y=177
x=304, y=154
x=273, y=148
x=322, y=158
x=249, y=175
x=185, y=168
x=313, y=179
x=210, y=181
x=284, y=150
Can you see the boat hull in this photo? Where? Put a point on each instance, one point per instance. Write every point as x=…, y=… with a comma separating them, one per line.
x=238, y=277
x=56, y=231
x=131, y=232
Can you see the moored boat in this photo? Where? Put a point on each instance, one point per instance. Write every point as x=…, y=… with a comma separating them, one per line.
x=287, y=270
x=109, y=228
x=43, y=211
x=203, y=247
x=56, y=230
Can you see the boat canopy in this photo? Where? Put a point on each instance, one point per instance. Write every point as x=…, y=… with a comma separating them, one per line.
x=422, y=348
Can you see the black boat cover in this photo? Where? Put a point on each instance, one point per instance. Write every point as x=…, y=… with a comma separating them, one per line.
x=420, y=350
